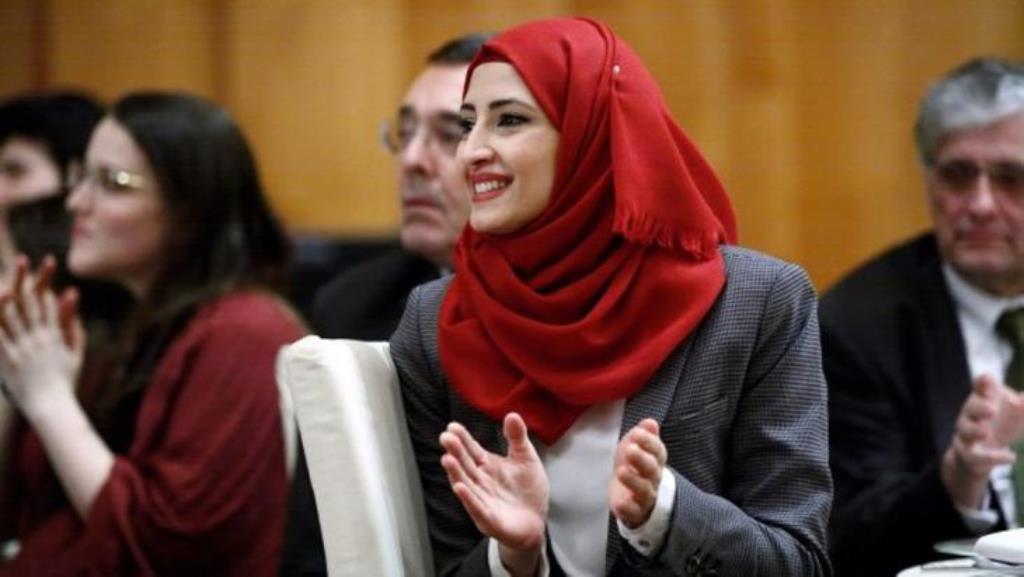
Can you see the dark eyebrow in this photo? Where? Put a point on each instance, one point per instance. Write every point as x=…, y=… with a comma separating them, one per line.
x=496, y=104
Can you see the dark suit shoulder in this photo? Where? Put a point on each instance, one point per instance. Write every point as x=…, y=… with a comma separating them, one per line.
x=366, y=300
x=886, y=282
x=390, y=265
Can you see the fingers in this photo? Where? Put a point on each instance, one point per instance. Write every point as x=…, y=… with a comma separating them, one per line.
x=18, y=284
x=13, y=319
x=978, y=407
x=645, y=436
x=640, y=461
x=643, y=461
x=7, y=352
x=632, y=496
x=26, y=289
x=44, y=275
x=981, y=458
x=986, y=386
x=519, y=445
x=466, y=486
x=651, y=426
x=641, y=456
x=474, y=504
x=67, y=316
x=631, y=513
x=462, y=466
x=73, y=335
x=473, y=448
x=514, y=429
x=640, y=484
x=30, y=306
x=5, y=298
x=977, y=417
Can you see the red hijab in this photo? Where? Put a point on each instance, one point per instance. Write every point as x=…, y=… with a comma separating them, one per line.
x=584, y=303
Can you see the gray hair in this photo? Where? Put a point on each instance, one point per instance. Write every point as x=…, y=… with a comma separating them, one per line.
x=978, y=93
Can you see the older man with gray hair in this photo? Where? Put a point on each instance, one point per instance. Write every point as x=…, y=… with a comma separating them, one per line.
x=924, y=345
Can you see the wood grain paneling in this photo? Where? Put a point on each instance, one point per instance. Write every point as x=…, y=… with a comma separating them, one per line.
x=311, y=82
x=21, y=60
x=114, y=46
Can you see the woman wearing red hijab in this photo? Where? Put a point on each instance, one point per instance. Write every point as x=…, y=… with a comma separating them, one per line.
x=605, y=386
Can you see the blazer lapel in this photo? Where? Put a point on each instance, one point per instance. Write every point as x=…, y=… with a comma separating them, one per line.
x=943, y=360
x=653, y=401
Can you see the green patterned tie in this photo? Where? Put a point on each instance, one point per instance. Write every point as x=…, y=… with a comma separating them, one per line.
x=1010, y=326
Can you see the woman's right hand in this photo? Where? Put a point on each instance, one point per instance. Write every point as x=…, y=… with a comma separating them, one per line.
x=507, y=497
x=41, y=340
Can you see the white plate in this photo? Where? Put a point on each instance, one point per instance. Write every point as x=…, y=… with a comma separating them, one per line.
x=957, y=547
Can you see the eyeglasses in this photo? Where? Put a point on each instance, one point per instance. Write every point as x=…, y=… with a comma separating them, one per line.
x=960, y=175
x=108, y=179
x=442, y=130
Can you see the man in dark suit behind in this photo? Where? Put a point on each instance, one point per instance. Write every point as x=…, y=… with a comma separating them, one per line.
x=915, y=353
x=367, y=300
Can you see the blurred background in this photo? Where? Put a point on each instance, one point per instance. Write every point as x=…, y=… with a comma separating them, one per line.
x=805, y=107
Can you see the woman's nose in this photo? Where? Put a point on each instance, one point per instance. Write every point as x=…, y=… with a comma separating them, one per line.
x=475, y=149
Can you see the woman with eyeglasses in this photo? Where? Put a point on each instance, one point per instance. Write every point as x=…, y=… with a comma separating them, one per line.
x=605, y=386
x=169, y=458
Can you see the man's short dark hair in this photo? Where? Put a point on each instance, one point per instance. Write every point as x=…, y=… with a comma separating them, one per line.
x=459, y=50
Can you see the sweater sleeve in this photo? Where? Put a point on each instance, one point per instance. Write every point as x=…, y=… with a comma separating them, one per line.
x=203, y=487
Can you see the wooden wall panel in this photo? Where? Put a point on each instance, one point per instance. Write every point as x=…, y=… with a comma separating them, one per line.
x=21, y=65
x=311, y=81
x=805, y=107
x=114, y=46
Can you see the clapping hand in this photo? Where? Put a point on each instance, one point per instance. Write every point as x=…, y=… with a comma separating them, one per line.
x=41, y=338
x=1009, y=423
x=639, y=464
x=506, y=496
x=978, y=445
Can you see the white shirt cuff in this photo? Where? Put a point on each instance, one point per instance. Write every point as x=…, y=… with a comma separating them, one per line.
x=498, y=570
x=982, y=520
x=648, y=538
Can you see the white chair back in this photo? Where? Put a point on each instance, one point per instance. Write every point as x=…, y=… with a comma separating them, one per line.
x=352, y=424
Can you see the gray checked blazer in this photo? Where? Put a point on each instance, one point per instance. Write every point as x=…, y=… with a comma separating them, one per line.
x=742, y=407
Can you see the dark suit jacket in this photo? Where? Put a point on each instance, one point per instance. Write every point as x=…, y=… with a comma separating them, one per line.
x=897, y=371
x=741, y=404
x=365, y=302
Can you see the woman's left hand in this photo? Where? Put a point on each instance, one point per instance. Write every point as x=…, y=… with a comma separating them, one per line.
x=639, y=463
x=506, y=496
x=41, y=345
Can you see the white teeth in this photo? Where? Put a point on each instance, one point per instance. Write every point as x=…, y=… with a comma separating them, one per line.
x=482, y=187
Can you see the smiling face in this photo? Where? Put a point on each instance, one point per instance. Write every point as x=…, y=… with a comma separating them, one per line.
x=121, y=224
x=508, y=152
x=976, y=193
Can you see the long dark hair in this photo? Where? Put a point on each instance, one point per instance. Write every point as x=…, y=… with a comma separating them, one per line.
x=223, y=234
